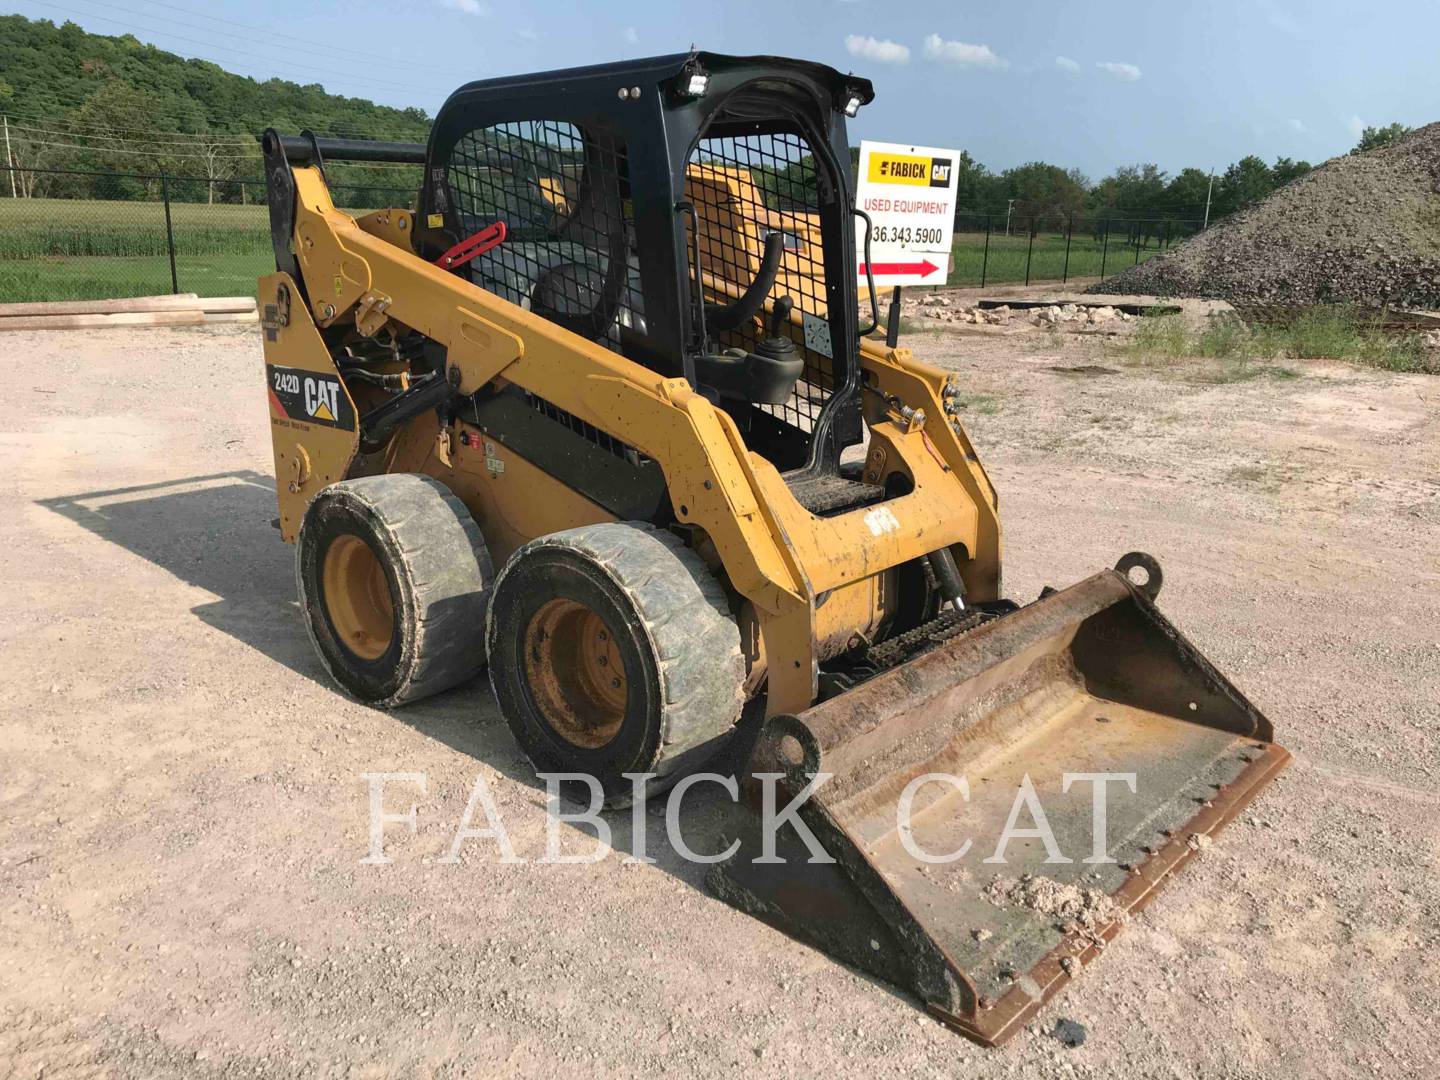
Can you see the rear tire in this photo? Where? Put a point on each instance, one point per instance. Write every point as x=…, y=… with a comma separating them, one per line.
x=612, y=649
x=394, y=583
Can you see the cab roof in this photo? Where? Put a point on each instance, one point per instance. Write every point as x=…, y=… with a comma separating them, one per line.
x=655, y=70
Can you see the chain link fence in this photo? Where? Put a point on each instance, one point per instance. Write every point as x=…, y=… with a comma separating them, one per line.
x=1003, y=249
x=90, y=236
x=76, y=235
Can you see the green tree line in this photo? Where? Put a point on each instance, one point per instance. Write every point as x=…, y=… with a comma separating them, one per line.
x=1048, y=195
x=88, y=102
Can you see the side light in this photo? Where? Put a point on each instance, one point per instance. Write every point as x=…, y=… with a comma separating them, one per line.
x=852, y=105
x=696, y=83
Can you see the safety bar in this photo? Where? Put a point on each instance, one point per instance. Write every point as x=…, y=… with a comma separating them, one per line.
x=301, y=149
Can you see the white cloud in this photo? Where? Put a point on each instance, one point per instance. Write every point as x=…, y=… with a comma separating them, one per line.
x=1127, y=72
x=1064, y=63
x=1297, y=125
x=469, y=7
x=882, y=52
x=631, y=35
x=1356, y=125
x=962, y=53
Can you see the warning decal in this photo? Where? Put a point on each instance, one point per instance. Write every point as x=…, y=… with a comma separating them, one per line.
x=310, y=397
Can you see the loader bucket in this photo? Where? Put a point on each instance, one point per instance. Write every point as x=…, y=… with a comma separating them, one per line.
x=1089, y=680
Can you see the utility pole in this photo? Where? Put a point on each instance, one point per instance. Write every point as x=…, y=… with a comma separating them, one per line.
x=1208, y=190
x=9, y=162
x=1009, y=206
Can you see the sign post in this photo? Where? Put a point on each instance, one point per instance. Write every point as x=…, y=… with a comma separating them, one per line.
x=909, y=193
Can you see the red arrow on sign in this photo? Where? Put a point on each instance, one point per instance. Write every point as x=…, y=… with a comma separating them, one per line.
x=924, y=268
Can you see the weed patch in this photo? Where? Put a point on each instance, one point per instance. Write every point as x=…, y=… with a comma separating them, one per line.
x=1333, y=333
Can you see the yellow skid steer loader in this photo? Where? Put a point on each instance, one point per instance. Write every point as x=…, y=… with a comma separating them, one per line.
x=599, y=411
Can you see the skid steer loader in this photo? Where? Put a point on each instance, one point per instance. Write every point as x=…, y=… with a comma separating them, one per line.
x=600, y=411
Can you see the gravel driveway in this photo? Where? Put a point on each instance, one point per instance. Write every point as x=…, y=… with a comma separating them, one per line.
x=184, y=812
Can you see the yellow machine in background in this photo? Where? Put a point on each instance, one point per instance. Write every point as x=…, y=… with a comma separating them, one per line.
x=599, y=414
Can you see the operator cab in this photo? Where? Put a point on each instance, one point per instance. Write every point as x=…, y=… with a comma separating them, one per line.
x=691, y=212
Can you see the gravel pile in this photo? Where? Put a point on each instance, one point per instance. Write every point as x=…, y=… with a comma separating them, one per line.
x=935, y=308
x=1360, y=229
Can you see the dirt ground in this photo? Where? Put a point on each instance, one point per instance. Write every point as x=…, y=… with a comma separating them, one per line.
x=184, y=812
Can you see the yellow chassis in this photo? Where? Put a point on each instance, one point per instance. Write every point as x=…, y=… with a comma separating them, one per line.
x=806, y=578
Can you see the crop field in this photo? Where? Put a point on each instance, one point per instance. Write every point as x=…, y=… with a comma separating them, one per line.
x=72, y=249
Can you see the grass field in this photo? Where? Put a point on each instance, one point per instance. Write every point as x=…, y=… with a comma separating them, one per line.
x=71, y=249
x=1048, y=261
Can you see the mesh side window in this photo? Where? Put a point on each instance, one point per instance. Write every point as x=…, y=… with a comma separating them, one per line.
x=744, y=189
x=569, y=252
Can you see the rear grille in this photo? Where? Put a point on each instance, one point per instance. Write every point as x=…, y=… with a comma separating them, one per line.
x=588, y=432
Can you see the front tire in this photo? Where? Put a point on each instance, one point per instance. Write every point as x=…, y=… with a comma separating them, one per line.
x=612, y=650
x=394, y=583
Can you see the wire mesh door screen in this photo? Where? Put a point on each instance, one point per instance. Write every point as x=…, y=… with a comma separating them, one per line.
x=745, y=188
x=569, y=252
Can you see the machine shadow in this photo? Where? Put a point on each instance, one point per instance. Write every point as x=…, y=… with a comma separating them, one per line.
x=214, y=532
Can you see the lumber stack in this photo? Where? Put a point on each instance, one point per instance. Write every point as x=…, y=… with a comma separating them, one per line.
x=184, y=309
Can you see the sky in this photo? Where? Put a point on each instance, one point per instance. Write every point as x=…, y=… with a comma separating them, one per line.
x=1094, y=86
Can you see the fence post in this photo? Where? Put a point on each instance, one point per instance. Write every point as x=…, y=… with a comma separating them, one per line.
x=1104, y=245
x=10, y=161
x=1030, y=249
x=1069, y=232
x=985, y=259
x=169, y=232
x=1139, y=234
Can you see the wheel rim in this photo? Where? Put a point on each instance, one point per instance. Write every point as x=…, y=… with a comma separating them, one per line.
x=357, y=597
x=576, y=673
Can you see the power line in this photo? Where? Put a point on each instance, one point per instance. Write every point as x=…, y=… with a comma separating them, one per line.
x=384, y=125
x=46, y=170
x=122, y=150
x=162, y=148
x=228, y=48
x=156, y=138
x=373, y=132
x=305, y=48
x=269, y=32
x=252, y=158
x=31, y=111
